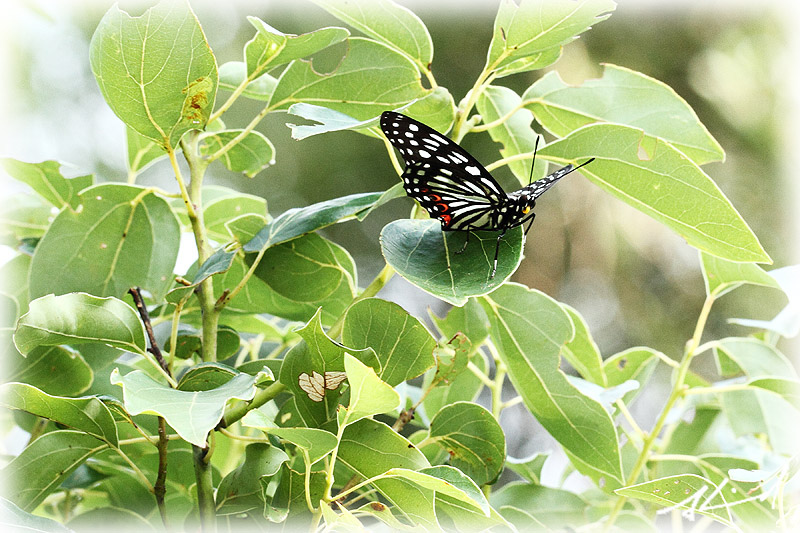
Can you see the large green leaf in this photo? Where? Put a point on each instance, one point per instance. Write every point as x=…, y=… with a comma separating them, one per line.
x=317, y=353
x=156, y=71
x=530, y=35
x=124, y=236
x=515, y=133
x=356, y=88
x=88, y=415
x=445, y=481
x=687, y=491
x=302, y=220
x=368, y=394
x=304, y=274
x=317, y=443
x=529, y=329
x=191, y=414
x=15, y=519
x=56, y=370
x=473, y=439
x=582, y=352
x=721, y=276
x=46, y=179
x=371, y=448
x=426, y=256
x=392, y=24
x=78, y=318
x=657, y=179
x=45, y=463
x=551, y=507
x=402, y=344
x=626, y=97
x=270, y=47
x=240, y=490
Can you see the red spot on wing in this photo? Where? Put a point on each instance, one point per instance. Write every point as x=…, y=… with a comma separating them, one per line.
x=445, y=219
x=444, y=206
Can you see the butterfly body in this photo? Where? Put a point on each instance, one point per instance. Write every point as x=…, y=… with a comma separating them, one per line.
x=453, y=187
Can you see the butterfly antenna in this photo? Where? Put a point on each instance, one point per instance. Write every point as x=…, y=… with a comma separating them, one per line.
x=579, y=166
x=535, y=147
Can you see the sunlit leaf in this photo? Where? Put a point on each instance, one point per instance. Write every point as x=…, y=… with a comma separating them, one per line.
x=46, y=179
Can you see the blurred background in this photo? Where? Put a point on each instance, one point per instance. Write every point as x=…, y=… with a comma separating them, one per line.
x=635, y=282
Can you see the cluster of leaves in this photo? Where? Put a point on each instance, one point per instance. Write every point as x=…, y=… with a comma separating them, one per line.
x=224, y=428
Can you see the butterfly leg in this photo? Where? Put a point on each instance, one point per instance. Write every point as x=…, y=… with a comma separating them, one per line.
x=533, y=215
x=461, y=251
x=496, y=253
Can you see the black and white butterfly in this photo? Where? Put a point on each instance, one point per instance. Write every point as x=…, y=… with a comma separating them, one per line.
x=454, y=188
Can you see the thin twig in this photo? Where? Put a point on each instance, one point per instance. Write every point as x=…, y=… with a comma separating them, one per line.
x=135, y=292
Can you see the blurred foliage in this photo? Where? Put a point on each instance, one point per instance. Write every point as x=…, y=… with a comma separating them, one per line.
x=633, y=281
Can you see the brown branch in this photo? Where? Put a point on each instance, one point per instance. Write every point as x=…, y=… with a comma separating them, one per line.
x=135, y=292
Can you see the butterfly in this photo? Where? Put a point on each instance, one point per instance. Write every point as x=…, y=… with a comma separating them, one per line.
x=453, y=187
x=316, y=384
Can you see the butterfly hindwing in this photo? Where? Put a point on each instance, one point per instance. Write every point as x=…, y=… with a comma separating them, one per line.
x=314, y=385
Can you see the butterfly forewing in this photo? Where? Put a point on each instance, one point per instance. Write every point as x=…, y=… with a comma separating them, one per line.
x=448, y=182
x=313, y=385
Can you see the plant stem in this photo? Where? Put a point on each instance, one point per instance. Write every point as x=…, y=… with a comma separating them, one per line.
x=205, y=489
x=160, y=488
x=210, y=315
x=676, y=393
x=236, y=412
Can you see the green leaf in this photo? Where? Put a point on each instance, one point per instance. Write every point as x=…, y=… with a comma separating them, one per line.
x=402, y=344
x=464, y=387
x=436, y=109
x=46, y=179
x=761, y=412
x=240, y=490
x=16, y=519
x=301, y=220
x=317, y=353
x=473, y=438
x=88, y=415
x=124, y=236
x=687, y=491
x=317, y=443
x=368, y=394
x=78, y=318
x=233, y=73
x=662, y=182
x=230, y=204
x=530, y=329
x=789, y=389
x=533, y=28
x=142, y=152
x=208, y=376
x=721, y=276
x=23, y=218
x=385, y=21
x=191, y=414
x=371, y=448
x=307, y=273
x=156, y=71
x=250, y=155
x=56, y=370
x=44, y=464
x=515, y=133
x=554, y=508
x=631, y=364
x=470, y=320
x=271, y=48
x=356, y=88
x=448, y=481
x=426, y=256
x=582, y=352
x=624, y=97
x=286, y=503
x=755, y=358
x=329, y=120
x=529, y=468
x=746, y=500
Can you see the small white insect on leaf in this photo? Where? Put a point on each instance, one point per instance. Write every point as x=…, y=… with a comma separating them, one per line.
x=315, y=384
